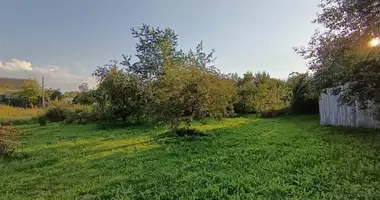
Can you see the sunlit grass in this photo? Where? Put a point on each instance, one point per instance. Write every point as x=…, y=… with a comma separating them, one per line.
x=16, y=113
x=225, y=123
x=239, y=158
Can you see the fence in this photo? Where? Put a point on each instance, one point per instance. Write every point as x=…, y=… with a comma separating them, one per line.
x=332, y=113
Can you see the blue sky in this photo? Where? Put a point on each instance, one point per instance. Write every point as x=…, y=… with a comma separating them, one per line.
x=65, y=40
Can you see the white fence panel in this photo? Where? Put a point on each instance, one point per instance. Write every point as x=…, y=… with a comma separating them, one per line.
x=332, y=113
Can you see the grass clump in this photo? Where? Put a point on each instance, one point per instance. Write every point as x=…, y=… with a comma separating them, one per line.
x=9, y=140
x=188, y=132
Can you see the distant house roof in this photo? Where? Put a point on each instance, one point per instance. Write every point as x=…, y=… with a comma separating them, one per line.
x=11, y=83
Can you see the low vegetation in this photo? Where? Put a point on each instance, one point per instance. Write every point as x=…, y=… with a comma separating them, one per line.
x=9, y=140
x=16, y=113
x=62, y=111
x=238, y=158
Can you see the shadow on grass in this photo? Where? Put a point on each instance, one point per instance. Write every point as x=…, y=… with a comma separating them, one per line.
x=123, y=125
x=310, y=123
x=20, y=121
x=366, y=135
x=181, y=135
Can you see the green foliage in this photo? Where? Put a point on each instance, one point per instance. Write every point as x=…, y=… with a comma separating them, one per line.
x=340, y=55
x=271, y=97
x=70, y=94
x=81, y=115
x=58, y=111
x=281, y=158
x=42, y=120
x=260, y=93
x=30, y=92
x=53, y=94
x=154, y=47
x=85, y=98
x=246, y=92
x=83, y=88
x=188, y=132
x=169, y=86
x=304, y=98
x=122, y=96
x=164, y=84
x=185, y=93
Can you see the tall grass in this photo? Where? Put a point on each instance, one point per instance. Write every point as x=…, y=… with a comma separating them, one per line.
x=16, y=113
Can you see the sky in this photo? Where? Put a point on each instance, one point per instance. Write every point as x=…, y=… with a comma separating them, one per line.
x=64, y=40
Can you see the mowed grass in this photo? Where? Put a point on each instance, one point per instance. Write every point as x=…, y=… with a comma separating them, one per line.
x=240, y=158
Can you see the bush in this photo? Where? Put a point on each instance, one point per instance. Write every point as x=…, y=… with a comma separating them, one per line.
x=42, y=120
x=188, y=132
x=9, y=140
x=187, y=93
x=81, y=116
x=58, y=111
x=304, y=96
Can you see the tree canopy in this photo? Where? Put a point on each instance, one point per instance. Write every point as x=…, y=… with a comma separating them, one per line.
x=340, y=56
x=162, y=83
x=30, y=92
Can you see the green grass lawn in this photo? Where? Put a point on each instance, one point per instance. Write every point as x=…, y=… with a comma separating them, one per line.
x=240, y=158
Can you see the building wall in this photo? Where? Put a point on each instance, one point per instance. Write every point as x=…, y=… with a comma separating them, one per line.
x=332, y=113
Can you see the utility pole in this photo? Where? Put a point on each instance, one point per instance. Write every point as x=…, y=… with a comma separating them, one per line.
x=43, y=92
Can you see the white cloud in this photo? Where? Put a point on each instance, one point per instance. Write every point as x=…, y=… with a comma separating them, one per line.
x=16, y=65
x=55, y=76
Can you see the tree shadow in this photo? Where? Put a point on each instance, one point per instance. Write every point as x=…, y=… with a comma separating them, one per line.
x=310, y=123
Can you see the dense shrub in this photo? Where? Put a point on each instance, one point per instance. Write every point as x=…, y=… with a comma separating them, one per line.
x=57, y=111
x=185, y=93
x=188, y=132
x=64, y=111
x=9, y=140
x=121, y=96
x=271, y=97
x=42, y=120
x=259, y=93
x=304, y=99
x=82, y=115
x=246, y=89
x=85, y=98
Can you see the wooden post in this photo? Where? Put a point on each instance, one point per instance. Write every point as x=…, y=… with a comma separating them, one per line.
x=43, y=92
